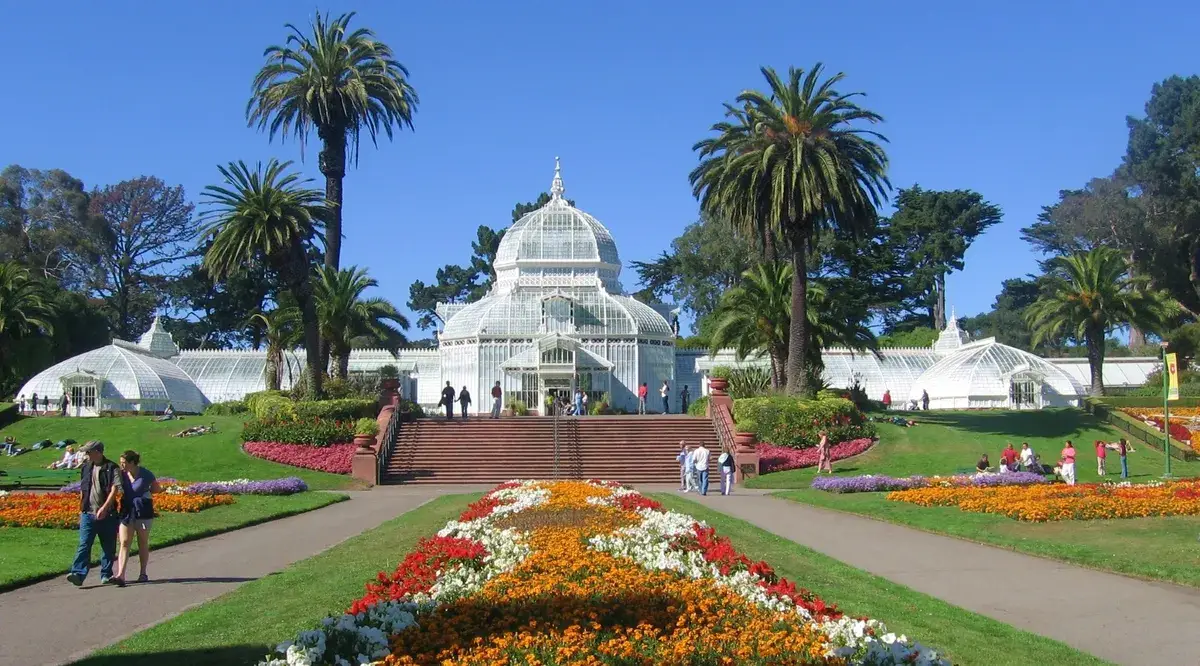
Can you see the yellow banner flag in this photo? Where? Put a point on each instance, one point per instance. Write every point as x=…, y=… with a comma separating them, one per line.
x=1173, y=375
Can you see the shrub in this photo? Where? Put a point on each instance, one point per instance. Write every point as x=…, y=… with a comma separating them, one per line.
x=311, y=432
x=795, y=423
x=699, y=406
x=749, y=382
x=518, y=407
x=722, y=372
x=341, y=409
x=335, y=459
x=773, y=458
x=270, y=405
x=413, y=409
x=365, y=426
x=227, y=408
x=602, y=407
x=389, y=372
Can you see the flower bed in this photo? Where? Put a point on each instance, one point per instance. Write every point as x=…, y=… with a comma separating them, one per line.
x=870, y=483
x=61, y=510
x=588, y=573
x=288, y=486
x=74, y=486
x=335, y=459
x=1062, y=502
x=772, y=458
x=1179, y=432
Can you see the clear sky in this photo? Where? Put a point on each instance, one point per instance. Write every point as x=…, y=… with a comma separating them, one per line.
x=1016, y=100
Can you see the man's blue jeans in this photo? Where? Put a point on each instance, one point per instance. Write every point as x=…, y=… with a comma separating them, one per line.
x=1124, y=467
x=703, y=482
x=90, y=528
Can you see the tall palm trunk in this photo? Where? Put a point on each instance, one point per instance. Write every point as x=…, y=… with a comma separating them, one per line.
x=333, y=167
x=797, y=380
x=300, y=285
x=1095, y=354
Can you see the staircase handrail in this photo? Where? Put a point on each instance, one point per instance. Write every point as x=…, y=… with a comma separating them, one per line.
x=388, y=444
x=556, y=413
x=723, y=422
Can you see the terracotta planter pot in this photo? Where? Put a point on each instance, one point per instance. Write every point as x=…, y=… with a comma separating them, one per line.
x=718, y=385
x=745, y=440
x=364, y=441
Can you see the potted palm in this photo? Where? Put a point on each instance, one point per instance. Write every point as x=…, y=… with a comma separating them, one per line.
x=389, y=378
x=365, y=432
x=719, y=381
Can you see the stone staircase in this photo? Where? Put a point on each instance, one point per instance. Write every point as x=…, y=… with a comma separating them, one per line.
x=630, y=449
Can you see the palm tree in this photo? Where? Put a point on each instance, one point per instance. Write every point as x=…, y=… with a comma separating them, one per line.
x=1089, y=295
x=756, y=316
x=339, y=83
x=282, y=332
x=799, y=163
x=346, y=318
x=26, y=309
x=268, y=215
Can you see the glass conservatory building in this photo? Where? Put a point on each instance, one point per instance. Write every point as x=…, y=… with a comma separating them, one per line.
x=556, y=319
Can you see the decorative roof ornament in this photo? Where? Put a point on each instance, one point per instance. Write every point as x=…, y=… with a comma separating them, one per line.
x=952, y=337
x=158, y=341
x=556, y=185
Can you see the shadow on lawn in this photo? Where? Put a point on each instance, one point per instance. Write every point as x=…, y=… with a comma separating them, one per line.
x=238, y=655
x=1050, y=423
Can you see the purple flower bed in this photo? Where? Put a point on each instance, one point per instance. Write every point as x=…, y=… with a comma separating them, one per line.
x=879, y=483
x=289, y=486
x=73, y=487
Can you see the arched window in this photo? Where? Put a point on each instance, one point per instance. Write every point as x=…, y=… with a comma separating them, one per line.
x=558, y=315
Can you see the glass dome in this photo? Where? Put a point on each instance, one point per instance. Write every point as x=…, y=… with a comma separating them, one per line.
x=557, y=244
x=530, y=313
x=987, y=374
x=126, y=378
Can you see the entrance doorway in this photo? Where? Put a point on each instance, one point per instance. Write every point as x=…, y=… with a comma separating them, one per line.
x=1024, y=394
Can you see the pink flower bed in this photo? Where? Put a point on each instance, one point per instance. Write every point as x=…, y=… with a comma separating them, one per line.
x=335, y=458
x=773, y=458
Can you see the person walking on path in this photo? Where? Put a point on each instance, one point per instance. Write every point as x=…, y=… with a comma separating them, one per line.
x=684, y=458
x=578, y=402
x=22, y=403
x=824, y=463
x=62, y=404
x=684, y=399
x=464, y=401
x=1122, y=451
x=1068, y=463
x=448, y=400
x=924, y=400
x=665, y=392
x=725, y=462
x=33, y=404
x=137, y=513
x=1101, y=456
x=497, y=394
x=887, y=399
x=643, y=393
x=99, y=481
x=700, y=463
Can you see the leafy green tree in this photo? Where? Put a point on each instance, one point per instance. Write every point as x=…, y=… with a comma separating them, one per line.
x=145, y=228
x=932, y=230
x=921, y=336
x=340, y=84
x=213, y=313
x=267, y=216
x=44, y=222
x=26, y=312
x=802, y=159
x=1091, y=294
x=282, y=330
x=345, y=316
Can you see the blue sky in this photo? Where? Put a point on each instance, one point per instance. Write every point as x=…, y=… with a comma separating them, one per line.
x=1016, y=100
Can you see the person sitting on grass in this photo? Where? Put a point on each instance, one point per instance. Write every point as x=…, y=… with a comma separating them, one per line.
x=10, y=447
x=983, y=464
x=70, y=460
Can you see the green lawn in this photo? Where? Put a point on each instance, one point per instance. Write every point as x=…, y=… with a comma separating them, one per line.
x=967, y=638
x=214, y=457
x=1157, y=548
x=944, y=442
x=240, y=627
x=31, y=554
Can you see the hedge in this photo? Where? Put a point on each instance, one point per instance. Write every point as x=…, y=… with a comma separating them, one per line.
x=276, y=405
x=1137, y=430
x=227, y=408
x=699, y=406
x=797, y=423
x=310, y=432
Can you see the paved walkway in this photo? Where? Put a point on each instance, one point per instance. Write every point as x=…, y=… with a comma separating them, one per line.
x=54, y=622
x=1124, y=620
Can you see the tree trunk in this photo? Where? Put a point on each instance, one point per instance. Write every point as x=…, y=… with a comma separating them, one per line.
x=770, y=254
x=299, y=281
x=939, y=302
x=1095, y=353
x=333, y=167
x=1136, y=337
x=797, y=380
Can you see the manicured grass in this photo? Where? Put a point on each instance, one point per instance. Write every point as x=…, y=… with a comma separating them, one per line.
x=967, y=638
x=1157, y=548
x=240, y=627
x=944, y=442
x=30, y=554
x=214, y=457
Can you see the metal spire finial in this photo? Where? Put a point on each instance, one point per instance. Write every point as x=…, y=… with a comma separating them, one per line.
x=556, y=185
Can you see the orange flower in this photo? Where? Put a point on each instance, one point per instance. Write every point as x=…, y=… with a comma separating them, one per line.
x=1063, y=502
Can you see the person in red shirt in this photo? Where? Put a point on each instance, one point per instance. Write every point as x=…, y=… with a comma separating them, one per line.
x=1009, y=456
x=1101, y=454
x=497, y=394
x=887, y=399
x=643, y=391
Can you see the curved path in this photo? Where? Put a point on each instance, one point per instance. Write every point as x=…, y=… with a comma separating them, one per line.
x=54, y=622
x=1124, y=620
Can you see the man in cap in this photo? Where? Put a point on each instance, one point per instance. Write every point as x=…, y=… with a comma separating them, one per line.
x=97, y=513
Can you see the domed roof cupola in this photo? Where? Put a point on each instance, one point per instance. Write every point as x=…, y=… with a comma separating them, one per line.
x=557, y=245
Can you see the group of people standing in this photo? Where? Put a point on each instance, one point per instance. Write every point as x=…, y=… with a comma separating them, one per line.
x=664, y=392
x=693, y=468
x=30, y=408
x=912, y=404
x=115, y=505
x=463, y=398
x=1027, y=461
